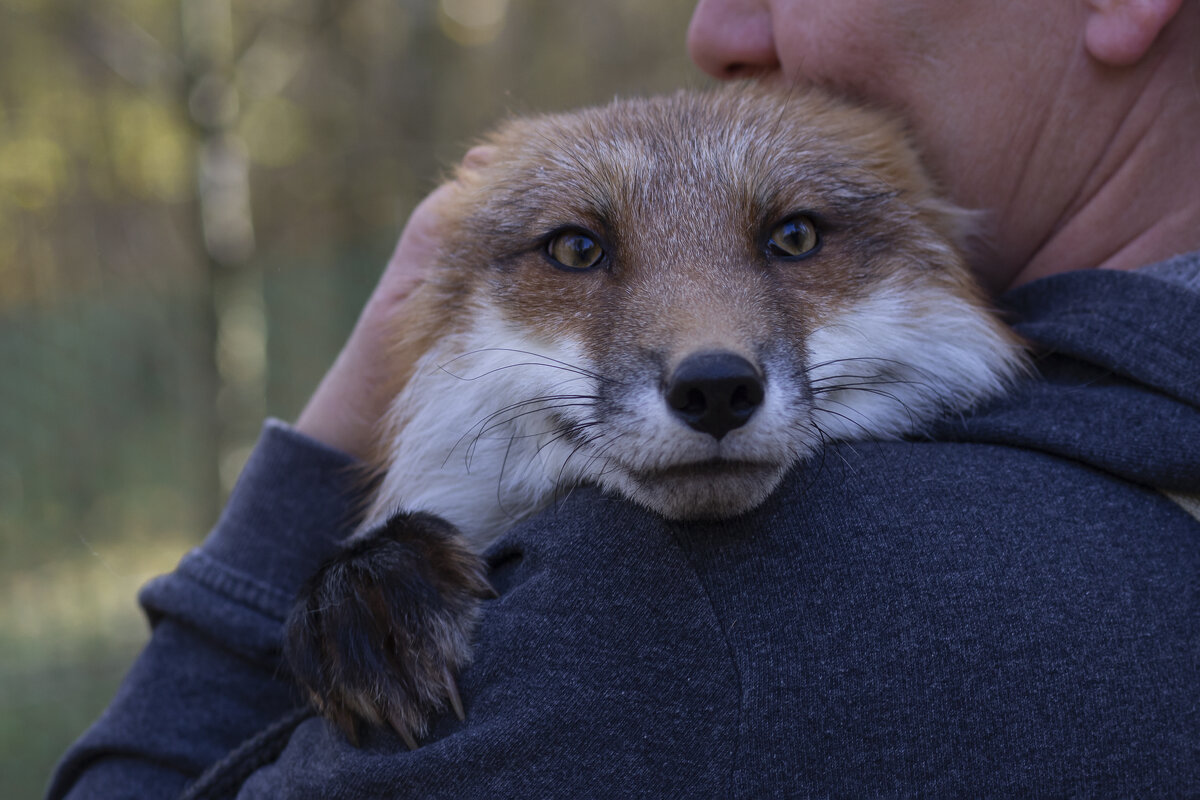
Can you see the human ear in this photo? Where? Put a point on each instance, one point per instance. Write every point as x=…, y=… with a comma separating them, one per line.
x=1119, y=32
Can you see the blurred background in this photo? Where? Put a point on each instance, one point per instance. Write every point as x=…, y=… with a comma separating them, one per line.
x=196, y=197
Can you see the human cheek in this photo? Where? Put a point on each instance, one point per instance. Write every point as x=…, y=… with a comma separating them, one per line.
x=846, y=46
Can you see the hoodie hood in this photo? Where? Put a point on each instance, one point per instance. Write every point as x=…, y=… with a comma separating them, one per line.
x=1132, y=340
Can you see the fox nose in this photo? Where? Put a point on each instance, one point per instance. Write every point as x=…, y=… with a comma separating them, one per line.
x=714, y=392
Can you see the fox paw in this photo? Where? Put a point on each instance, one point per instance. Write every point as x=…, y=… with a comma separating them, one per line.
x=382, y=629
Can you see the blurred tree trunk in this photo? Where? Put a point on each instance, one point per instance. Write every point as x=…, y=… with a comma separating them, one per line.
x=233, y=391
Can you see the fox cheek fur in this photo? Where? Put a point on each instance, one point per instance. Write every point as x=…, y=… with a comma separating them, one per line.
x=677, y=299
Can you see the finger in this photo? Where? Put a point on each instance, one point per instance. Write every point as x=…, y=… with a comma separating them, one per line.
x=418, y=245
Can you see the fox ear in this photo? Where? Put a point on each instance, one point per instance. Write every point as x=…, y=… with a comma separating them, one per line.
x=1119, y=32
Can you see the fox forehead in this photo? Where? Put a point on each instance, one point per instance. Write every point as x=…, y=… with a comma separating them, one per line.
x=722, y=159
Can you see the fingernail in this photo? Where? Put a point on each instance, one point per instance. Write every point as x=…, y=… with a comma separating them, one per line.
x=479, y=156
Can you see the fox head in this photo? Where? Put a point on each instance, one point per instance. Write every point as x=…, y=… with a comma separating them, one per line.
x=679, y=299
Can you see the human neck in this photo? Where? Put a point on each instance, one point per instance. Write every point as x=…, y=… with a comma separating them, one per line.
x=1140, y=205
x=1137, y=200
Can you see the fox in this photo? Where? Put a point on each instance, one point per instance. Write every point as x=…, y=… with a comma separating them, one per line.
x=678, y=299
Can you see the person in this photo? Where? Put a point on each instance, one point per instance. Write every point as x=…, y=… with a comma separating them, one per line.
x=1009, y=607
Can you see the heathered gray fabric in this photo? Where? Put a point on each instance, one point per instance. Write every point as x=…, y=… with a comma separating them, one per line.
x=1183, y=270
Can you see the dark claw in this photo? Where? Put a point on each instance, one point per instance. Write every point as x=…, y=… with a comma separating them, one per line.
x=380, y=631
x=403, y=732
x=452, y=693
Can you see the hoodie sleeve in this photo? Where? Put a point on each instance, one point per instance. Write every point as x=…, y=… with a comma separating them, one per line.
x=211, y=674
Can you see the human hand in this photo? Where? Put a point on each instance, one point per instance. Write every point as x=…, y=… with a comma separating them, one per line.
x=353, y=396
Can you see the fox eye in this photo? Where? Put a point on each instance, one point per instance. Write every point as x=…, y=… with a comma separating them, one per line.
x=795, y=237
x=574, y=250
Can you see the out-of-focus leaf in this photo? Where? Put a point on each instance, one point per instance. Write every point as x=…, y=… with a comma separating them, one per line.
x=33, y=172
x=276, y=132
